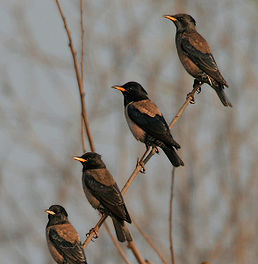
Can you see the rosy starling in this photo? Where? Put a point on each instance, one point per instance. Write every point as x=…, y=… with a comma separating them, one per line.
x=146, y=121
x=103, y=193
x=63, y=240
x=195, y=55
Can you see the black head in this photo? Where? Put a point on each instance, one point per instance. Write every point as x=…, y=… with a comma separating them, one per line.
x=91, y=160
x=132, y=91
x=183, y=22
x=56, y=215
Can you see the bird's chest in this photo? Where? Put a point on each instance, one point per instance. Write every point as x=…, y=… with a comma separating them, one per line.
x=55, y=254
x=92, y=200
x=138, y=133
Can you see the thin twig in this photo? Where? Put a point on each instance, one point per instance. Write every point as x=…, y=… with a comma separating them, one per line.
x=189, y=98
x=82, y=40
x=79, y=80
x=120, y=250
x=139, y=167
x=82, y=136
x=149, y=240
x=171, y=217
x=82, y=71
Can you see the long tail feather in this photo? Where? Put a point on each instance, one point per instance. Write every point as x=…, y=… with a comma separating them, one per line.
x=172, y=156
x=122, y=232
x=222, y=96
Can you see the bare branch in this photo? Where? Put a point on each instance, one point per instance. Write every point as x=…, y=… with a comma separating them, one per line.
x=82, y=69
x=136, y=252
x=120, y=250
x=82, y=136
x=79, y=80
x=149, y=241
x=171, y=217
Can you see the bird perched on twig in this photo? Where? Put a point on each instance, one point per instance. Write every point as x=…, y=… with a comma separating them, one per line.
x=63, y=240
x=195, y=55
x=147, y=123
x=103, y=193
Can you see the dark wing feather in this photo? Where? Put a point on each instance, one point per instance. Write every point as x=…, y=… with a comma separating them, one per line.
x=204, y=60
x=155, y=125
x=72, y=252
x=109, y=196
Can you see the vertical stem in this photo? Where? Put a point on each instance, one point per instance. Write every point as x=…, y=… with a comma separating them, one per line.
x=136, y=252
x=82, y=136
x=149, y=241
x=120, y=250
x=78, y=77
x=171, y=217
x=82, y=40
x=82, y=71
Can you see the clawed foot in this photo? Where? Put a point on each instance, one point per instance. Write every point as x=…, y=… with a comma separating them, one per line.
x=141, y=163
x=95, y=231
x=192, y=97
x=196, y=88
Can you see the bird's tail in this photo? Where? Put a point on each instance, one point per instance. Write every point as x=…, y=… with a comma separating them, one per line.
x=122, y=232
x=172, y=156
x=222, y=96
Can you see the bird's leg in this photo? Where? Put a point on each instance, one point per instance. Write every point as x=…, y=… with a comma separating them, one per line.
x=95, y=231
x=156, y=149
x=210, y=81
x=196, y=88
x=140, y=162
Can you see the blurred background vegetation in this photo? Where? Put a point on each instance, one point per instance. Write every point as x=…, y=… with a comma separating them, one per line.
x=216, y=193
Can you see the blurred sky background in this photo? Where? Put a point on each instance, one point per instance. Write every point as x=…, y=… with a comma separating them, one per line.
x=216, y=193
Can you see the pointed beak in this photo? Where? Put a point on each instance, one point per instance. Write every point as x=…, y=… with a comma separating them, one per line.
x=50, y=212
x=79, y=159
x=119, y=88
x=170, y=17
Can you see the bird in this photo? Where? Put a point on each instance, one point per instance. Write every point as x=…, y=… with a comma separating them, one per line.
x=103, y=193
x=195, y=54
x=147, y=123
x=63, y=240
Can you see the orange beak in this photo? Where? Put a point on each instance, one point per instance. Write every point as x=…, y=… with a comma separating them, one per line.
x=170, y=17
x=119, y=88
x=79, y=159
x=50, y=212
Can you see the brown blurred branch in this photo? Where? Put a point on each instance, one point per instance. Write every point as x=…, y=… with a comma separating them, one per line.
x=149, y=241
x=82, y=69
x=188, y=100
x=136, y=252
x=171, y=217
x=120, y=250
x=79, y=79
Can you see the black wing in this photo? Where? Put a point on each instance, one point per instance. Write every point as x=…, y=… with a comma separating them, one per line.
x=72, y=252
x=155, y=126
x=204, y=60
x=109, y=196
